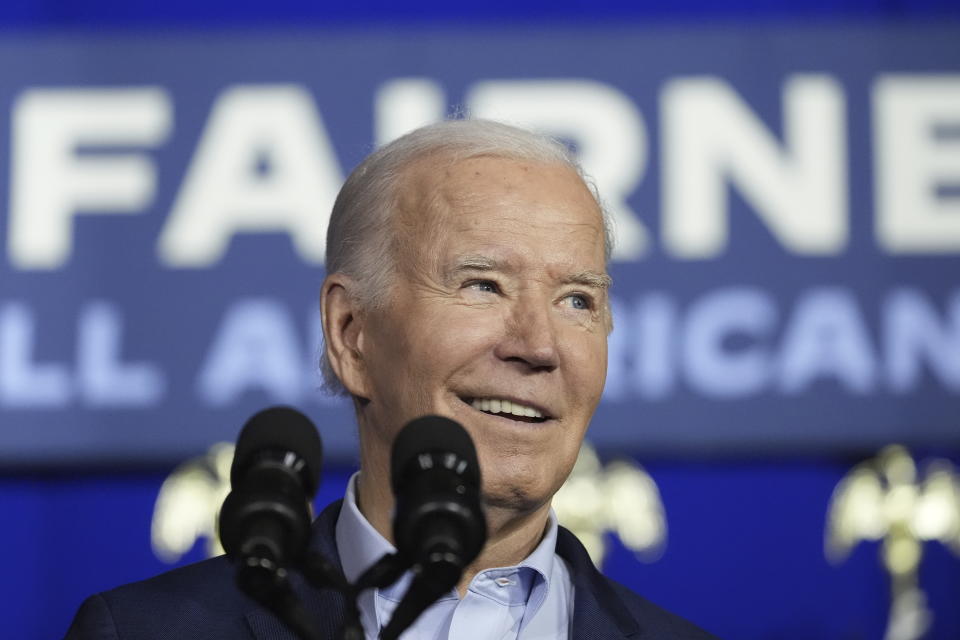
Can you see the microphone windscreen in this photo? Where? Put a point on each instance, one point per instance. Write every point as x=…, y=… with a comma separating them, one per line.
x=282, y=429
x=432, y=434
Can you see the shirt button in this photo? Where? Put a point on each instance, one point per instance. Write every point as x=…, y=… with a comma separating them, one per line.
x=504, y=582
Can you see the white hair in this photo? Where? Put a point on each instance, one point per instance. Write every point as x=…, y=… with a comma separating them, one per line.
x=360, y=237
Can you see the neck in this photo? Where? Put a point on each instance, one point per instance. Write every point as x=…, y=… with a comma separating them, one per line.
x=511, y=536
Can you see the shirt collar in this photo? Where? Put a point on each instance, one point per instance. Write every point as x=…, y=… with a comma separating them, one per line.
x=360, y=545
x=543, y=557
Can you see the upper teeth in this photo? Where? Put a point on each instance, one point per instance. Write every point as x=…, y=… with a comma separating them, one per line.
x=505, y=406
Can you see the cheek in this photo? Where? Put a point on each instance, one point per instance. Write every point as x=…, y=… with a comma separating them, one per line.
x=392, y=364
x=460, y=335
x=587, y=357
x=417, y=370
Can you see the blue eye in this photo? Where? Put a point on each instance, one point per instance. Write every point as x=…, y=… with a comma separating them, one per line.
x=578, y=301
x=486, y=286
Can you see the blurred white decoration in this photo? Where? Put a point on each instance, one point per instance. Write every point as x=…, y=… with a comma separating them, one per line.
x=189, y=502
x=621, y=498
x=882, y=499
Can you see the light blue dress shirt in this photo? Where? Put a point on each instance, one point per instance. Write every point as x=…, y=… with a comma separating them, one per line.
x=530, y=601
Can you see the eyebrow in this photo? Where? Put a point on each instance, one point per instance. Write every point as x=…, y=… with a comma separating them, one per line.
x=590, y=279
x=476, y=262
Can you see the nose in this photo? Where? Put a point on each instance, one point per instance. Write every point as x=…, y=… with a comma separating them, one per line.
x=530, y=336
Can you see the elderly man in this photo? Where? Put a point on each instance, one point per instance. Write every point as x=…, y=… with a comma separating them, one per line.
x=467, y=278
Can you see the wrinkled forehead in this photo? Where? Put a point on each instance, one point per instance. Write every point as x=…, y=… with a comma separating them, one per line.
x=435, y=189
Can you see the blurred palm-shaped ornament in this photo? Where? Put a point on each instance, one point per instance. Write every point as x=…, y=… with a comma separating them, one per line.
x=189, y=502
x=883, y=499
x=621, y=498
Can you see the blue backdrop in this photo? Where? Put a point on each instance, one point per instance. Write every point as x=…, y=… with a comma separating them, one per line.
x=785, y=182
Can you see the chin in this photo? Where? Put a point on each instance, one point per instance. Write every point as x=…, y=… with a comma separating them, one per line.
x=516, y=500
x=517, y=494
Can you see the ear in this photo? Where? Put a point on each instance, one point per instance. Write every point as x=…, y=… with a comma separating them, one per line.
x=342, y=320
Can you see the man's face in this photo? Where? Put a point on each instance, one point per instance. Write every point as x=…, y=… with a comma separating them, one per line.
x=499, y=299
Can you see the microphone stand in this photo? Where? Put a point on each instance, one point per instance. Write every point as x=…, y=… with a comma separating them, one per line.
x=432, y=580
x=269, y=585
x=322, y=574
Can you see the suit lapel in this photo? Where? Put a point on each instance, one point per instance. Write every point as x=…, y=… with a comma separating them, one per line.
x=598, y=611
x=326, y=607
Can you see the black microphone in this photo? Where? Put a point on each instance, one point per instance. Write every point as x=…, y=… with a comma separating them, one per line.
x=438, y=525
x=265, y=520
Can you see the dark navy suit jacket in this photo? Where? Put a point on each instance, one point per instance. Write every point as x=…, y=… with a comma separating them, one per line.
x=201, y=601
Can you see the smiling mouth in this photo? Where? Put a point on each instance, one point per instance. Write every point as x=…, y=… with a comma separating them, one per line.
x=506, y=409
